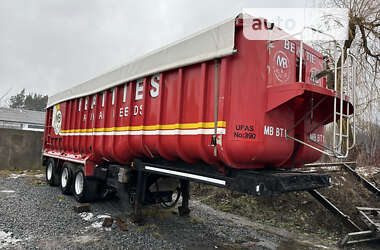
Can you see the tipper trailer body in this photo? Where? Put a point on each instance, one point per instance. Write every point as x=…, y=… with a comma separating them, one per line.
x=214, y=108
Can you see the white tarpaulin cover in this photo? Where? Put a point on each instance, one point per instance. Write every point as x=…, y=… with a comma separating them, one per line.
x=214, y=42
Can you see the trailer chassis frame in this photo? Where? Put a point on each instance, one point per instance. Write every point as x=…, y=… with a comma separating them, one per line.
x=257, y=183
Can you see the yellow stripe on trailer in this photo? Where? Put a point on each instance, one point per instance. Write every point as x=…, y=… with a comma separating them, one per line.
x=220, y=124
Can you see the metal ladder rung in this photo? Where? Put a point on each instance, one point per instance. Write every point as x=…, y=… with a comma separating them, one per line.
x=338, y=134
x=340, y=90
x=344, y=115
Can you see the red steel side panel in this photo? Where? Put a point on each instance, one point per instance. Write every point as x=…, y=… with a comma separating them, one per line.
x=172, y=114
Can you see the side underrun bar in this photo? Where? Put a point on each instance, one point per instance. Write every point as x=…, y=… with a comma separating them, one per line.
x=244, y=181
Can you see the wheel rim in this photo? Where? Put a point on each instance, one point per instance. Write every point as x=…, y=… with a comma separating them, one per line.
x=49, y=172
x=64, y=177
x=79, y=183
x=175, y=197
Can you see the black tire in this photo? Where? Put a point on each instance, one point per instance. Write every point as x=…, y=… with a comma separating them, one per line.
x=176, y=195
x=52, y=178
x=66, y=178
x=84, y=188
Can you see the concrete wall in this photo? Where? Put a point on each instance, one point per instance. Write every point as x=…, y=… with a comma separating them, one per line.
x=20, y=149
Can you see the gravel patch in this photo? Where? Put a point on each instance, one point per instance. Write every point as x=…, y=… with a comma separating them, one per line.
x=37, y=216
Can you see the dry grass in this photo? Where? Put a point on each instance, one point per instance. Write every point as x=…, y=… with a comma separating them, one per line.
x=5, y=173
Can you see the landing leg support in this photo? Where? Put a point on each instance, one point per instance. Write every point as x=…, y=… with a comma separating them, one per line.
x=140, y=196
x=185, y=191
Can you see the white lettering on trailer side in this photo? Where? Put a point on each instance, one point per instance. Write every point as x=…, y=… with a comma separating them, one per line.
x=286, y=44
x=319, y=138
x=126, y=109
x=274, y=131
x=125, y=93
x=123, y=111
x=137, y=110
x=310, y=57
x=103, y=98
x=154, y=82
x=281, y=69
x=100, y=115
x=85, y=103
x=113, y=96
x=139, y=90
x=282, y=62
x=290, y=46
x=139, y=95
x=280, y=132
x=268, y=130
x=93, y=101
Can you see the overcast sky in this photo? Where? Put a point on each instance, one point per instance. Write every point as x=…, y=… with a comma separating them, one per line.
x=49, y=45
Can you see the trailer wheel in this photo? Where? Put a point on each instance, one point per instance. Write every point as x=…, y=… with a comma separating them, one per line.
x=175, y=198
x=51, y=173
x=85, y=189
x=66, y=178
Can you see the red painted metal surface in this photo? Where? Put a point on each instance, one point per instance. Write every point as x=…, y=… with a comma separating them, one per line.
x=172, y=114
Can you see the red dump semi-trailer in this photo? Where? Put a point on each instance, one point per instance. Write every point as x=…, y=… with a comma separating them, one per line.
x=215, y=108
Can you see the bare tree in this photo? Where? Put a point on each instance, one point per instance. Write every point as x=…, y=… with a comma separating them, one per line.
x=363, y=42
x=4, y=95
